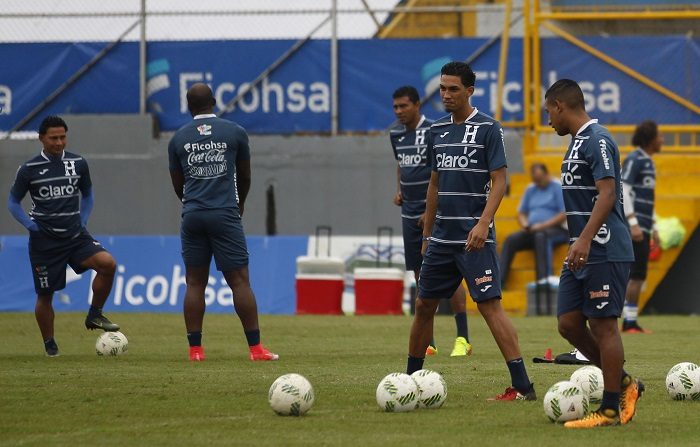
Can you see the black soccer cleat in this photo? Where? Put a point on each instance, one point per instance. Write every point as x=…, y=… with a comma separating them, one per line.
x=100, y=322
x=51, y=349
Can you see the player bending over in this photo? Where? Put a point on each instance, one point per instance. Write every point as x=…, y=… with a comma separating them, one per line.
x=210, y=171
x=466, y=186
x=413, y=175
x=60, y=188
x=596, y=269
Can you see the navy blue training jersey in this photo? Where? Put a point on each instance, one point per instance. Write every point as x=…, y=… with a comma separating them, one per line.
x=591, y=156
x=639, y=172
x=55, y=185
x=463, y=155
x=410, y=150
x=205, y=151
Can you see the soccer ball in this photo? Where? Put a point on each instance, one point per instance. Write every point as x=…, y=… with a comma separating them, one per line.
x=397, y=393
x=590, y=379
x=291, y=395
x=683, y=381
x=432, y=389
x=111, y=344
x=565, y=401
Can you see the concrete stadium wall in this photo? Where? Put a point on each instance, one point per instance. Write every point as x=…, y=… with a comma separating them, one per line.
x=346, y=182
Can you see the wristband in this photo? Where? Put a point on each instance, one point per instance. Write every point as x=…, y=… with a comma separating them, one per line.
x=632, y=221
x=426, y=238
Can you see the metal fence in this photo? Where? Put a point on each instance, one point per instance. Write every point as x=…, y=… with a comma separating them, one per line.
x=145, y=21
x=115, y=21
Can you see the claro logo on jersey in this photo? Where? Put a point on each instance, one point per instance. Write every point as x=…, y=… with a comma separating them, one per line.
x=416, y=159
x=56, y=191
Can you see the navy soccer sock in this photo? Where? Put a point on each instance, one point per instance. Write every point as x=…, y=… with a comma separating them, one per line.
x=414, y=364
x=461, y=320
x=253, y=337
x=94, y=311
x=611, y=401
x=195, y=338
x=518, y=375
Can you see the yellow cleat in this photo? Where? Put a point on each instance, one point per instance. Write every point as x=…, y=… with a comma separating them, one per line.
x=632, y=390
x=600, y=418
x=431, y=350
x=462, y=348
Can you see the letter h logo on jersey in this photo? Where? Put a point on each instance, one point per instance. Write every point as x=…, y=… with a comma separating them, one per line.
x=70, y=168
x=420, y=136
x=470, y=134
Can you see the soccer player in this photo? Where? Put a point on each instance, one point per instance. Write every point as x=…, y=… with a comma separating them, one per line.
x=60, y=188
x=467, y=184
x=596, y=269
x=210, y=171
x=638, y=183
x=413, y=175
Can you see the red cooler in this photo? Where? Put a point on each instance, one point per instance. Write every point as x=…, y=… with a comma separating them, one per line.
x=379, y=291
x=319, y=285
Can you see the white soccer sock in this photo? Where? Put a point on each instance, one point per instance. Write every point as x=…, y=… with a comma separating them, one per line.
x=629, y=312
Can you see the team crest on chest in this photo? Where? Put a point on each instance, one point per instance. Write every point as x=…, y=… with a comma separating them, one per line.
x=70, y=168
x=204, y=129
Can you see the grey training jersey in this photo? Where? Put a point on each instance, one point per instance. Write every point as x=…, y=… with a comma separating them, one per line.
x=55, y=185
x=593, y=155
x=464, y=154
x=410, y=150
x=205, y=151
x=639, y=172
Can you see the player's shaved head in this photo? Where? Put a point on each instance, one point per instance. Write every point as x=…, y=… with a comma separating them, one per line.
x=200, y=99
x=567, y=92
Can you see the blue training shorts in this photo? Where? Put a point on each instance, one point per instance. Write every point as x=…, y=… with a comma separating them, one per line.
x=597, y=290
x=49, y=257
x=214, y=232
x=412, y=243
x=444, y=267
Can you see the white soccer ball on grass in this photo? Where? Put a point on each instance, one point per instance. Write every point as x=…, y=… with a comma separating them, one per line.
x=291, y=395
x=111, y=344
x=683, y=381
x=565, y=401
x=397, y=393
x=432, y=389
x=590, y=379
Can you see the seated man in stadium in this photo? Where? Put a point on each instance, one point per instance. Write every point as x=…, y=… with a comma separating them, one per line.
x=541, y=216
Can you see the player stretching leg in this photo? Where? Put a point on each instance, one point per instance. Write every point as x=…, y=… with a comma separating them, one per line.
x=595, y=273
x=59, y=185
x=210, y=170
x=638, y=183
x=413, y=175
x=466, y=186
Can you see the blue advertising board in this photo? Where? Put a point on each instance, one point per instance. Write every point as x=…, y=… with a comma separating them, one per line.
x=151, y=278
x=296, y=96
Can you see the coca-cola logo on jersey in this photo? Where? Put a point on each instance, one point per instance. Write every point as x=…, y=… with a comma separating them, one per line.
x=211, y=156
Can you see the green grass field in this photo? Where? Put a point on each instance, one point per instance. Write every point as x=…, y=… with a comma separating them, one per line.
x=154, y=396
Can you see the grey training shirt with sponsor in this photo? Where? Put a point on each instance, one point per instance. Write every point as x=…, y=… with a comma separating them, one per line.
x=205, y=151
x=593, y=155
x=410, y=150
x=55, y=185
x=463, y=155
x=639, y=172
